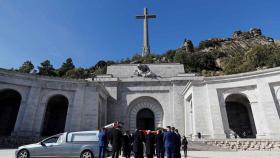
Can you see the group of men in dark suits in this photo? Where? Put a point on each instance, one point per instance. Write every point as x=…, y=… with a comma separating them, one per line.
x=172, y=143
x=163, y=142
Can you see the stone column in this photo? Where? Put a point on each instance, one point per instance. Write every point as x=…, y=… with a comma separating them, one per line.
x=74, y=116
x=24, y=126
x=89, y=110
x=39, y=118
x=68, y=117
x=272, y=121
x=20, y=116
x=258, y=119
x=218, y=112
x=188, y=118
x=201, y=113
x=178, y=106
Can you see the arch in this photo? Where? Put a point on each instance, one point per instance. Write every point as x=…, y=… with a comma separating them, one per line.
x=144, y=102
x=47, y=95
x=55, y=115
x=240, y=116
x=10, y=101
x=145, y=120
x=248, y=93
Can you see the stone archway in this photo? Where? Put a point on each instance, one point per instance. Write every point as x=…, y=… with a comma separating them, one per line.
x=240, y=117
x=145, y=103
x=9, y=107
x=55, y=115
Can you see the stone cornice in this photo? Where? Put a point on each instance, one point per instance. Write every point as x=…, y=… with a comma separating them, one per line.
x=39, y=77
x=45, y=79
x=242, y=76
x=200, y=80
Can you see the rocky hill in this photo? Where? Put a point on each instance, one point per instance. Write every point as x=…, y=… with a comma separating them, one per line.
x=239, y=41
x=244, y=51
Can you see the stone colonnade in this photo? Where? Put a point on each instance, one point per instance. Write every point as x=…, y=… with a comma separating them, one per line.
x=82, y=101
x=207, y=106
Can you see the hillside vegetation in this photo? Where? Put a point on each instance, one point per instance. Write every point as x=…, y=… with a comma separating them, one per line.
x=243, y=52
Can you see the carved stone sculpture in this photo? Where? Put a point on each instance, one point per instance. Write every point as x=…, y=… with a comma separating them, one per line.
x=144, y=71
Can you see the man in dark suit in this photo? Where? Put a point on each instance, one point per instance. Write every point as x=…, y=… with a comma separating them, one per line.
x=159, y=144
x=126, y=144
x=116, y=140
x=169, y=142
x=185, y=145
x=177, y=143
x=150, y=145
x=138, y=139
x=103, y=141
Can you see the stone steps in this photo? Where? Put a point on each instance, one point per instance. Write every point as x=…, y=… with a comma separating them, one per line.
x=246, y=144
x=203, y=146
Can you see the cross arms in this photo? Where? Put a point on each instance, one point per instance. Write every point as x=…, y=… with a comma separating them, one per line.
x=143, y=16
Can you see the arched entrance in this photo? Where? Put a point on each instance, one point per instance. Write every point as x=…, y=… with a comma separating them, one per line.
x=9, y=107
x=142, y=111
x=55, y=115
x=145, y=120
x=240, y=117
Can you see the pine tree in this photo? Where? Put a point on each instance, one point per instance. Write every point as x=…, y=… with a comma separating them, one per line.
x=46, y=69
x=66, y=66
x=26, y=67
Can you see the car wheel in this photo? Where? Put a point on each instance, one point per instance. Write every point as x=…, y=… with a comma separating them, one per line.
x=86, y=154
x=23, y=154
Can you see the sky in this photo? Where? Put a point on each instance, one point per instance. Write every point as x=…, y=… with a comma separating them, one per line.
x=93, y=30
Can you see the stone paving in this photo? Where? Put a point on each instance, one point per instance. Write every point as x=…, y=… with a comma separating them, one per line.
x=9, y=153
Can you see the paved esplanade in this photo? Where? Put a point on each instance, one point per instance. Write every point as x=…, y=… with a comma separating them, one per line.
x=9, y=153
x=146, y=46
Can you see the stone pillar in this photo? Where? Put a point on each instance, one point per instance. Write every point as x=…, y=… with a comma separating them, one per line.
x=25, y=123
x=39, y=118
x=178, y=106
x=188, y=117
x=18, y=124
x=74, y=117
x=272, y=121
x=258, y=119
x=217, y=111
x=68, y=117
x=88, y=110
x=224, y=115
x=201, y=113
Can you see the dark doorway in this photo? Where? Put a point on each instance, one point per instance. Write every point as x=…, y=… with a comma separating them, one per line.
x=9, y=107
x=240, y=117
x=55, y=115
x=145, y=120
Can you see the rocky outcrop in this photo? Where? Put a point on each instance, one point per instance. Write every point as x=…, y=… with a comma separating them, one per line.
x=188, y=46
x=277, y=42
x=238, y=42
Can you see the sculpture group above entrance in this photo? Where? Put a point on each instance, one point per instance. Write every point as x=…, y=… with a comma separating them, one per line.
x=144, y=71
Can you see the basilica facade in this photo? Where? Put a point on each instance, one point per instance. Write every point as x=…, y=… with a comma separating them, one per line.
x=143, y=97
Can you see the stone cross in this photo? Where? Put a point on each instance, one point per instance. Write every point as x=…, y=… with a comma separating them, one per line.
x=146, y=46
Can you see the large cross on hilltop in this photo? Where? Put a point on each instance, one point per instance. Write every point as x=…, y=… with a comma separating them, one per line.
x=146, y=46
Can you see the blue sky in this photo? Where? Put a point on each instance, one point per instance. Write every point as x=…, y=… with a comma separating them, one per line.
x=93, y=30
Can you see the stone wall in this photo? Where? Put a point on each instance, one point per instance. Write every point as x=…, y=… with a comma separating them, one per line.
x=247, y=144
x=14, y=142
